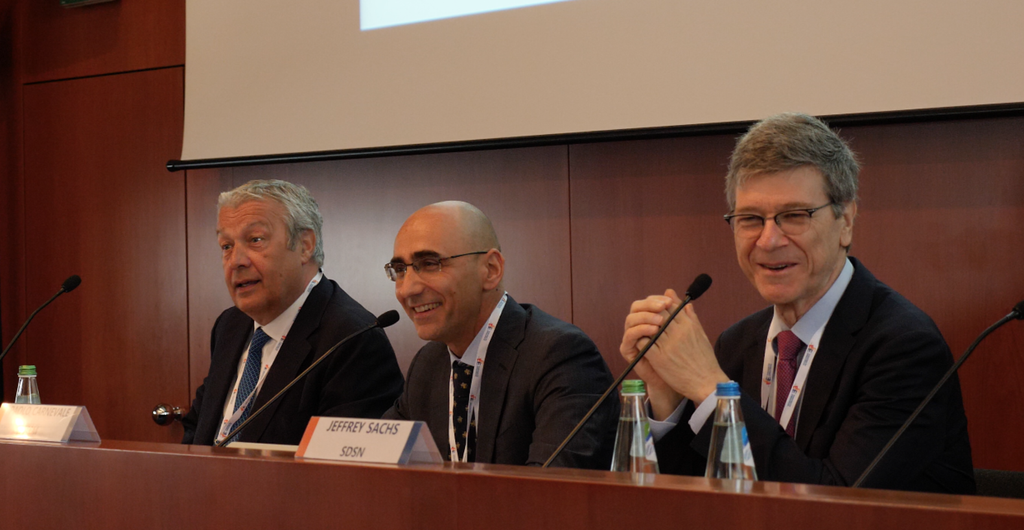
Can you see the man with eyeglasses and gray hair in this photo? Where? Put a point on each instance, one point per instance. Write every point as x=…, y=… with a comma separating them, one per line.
x=286, y=315
x=500, y=382
x=839, y=361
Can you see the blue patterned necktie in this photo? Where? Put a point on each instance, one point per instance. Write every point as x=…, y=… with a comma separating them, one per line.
x=250, y=376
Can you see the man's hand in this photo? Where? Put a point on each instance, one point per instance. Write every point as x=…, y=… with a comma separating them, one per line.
x=645, y=318
x=681, y=364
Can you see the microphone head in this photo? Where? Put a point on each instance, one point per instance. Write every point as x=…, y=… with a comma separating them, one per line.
x=387, y=318
x=699, y=285
x=71, y=283
x=1019, y=310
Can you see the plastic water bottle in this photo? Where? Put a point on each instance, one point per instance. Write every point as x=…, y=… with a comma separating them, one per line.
x=730, y=456
x=634, y=444
x=28, y=388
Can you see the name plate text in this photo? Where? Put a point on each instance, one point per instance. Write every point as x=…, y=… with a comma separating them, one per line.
x=363, y=440
x=46, y=423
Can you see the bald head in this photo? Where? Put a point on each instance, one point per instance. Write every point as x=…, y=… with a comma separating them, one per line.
x=450, y=300
x=462, y=220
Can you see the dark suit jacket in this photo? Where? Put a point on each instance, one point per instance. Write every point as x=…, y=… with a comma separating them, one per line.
x=360, y=379
x=878, y=358
x=540, y=377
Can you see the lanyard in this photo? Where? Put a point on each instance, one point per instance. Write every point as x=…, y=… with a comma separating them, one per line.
x=768, y=381
x=264, y=369
x=817, y=320
x=474, y=387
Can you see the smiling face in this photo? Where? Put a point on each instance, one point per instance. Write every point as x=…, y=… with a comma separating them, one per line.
x=792, y=272
x=452, y=304
x=264, y=276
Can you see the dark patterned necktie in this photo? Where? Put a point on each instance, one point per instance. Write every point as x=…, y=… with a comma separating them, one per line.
x=789, y=346
x=250, y=376
x=465, y=432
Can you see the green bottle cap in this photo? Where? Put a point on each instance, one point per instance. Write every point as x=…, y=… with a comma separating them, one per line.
x=632, y=386
x=27, y=369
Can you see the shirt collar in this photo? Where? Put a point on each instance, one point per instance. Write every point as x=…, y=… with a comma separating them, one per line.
x=278, y=328
x=813, y=322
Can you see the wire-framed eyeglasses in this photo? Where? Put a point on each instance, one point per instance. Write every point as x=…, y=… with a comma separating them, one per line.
x=396, y=269
x=790, y=222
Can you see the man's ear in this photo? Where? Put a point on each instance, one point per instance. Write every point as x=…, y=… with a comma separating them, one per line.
x=494, y=270
x=846, y=232
x=307, y=243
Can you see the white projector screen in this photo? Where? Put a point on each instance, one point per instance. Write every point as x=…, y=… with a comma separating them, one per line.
x=267, y=77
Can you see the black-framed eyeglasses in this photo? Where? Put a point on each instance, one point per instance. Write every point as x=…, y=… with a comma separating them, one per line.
x=396, y=269
x=790, y=222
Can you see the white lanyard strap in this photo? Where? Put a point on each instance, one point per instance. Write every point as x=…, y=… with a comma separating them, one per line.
x=474, y=386
x=768, y=383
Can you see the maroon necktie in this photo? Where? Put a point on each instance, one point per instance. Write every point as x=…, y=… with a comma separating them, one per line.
x=788, y=346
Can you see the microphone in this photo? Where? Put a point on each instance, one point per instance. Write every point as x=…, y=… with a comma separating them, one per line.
x=69, y=285
x=387, y=319
x=384, y=320
x=693, y=292
x=1016, y=314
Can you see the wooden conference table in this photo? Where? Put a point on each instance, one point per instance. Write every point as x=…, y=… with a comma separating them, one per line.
x=117, y=484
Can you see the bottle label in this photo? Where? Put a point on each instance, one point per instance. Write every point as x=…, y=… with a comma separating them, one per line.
x=748, y=453
x=636, y=446
x=732, y=445
x=649, y=443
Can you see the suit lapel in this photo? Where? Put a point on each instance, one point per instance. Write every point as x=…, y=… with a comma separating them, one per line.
x=500, y=361
x=437, y=413
x=292, y=357
x=753, y=365
x=849, y=317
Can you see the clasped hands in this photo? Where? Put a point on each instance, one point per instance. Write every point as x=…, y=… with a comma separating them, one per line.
x=682, y=364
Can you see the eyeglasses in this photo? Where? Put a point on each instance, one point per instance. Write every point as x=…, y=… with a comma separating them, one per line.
x=396, y=269
x=790, y=222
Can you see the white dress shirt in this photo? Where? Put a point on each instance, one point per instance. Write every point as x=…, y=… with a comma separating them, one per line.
x=277, y=330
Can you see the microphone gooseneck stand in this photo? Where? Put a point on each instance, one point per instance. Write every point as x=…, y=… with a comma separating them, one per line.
x=697, y=288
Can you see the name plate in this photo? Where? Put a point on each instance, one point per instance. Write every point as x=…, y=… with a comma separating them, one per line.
x=362, y=440
x=46, y=423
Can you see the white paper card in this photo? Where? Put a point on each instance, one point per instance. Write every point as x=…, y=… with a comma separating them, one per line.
x=46, y=423
x=363, y=440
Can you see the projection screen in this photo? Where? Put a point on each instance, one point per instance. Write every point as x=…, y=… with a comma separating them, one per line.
x=268, y=77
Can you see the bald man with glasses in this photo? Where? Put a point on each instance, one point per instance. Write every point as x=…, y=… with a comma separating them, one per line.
x=499, y=382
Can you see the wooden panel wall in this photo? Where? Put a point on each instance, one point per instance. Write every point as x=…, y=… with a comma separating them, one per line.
x=120, y=36
x=91, y=102
x=647, y=216
x=941, y=222
x=102, y=207
x=11, y=208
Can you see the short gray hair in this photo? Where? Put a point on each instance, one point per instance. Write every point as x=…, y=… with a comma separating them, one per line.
x=790, y=140
x=302, y=210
